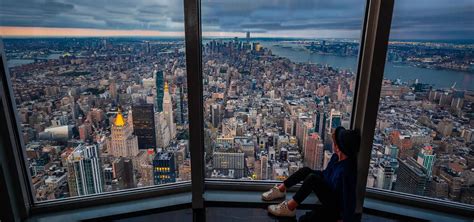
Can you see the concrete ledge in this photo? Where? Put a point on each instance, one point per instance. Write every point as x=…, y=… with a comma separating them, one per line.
x=109, y=210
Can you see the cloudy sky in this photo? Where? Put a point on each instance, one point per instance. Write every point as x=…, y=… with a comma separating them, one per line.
x=421, y=19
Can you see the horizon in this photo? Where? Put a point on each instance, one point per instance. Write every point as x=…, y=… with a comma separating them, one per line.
x=14, y=32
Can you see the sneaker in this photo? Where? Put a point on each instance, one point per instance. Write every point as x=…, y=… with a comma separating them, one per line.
x=281, y=210
x=273, y=194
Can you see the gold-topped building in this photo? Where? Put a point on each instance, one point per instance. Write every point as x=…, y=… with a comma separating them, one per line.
x=122, y=142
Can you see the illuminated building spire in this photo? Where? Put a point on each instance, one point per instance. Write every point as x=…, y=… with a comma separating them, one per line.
x=119, y=121
x=166, y=87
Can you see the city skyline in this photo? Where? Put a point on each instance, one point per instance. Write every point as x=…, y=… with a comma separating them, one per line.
x=341, y=19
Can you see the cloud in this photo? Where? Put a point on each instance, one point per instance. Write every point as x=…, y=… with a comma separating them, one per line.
x=342, y=18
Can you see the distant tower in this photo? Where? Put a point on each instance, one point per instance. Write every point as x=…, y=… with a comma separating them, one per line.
x=426, y=158
x=113, y=89
x=181, y=104
x=144, y=125
x=168, y=111
x=314, y=151
x=335, y=119
x=162, y=130
x=159, y=90
x=411, y=177
x=164, y=168
x=123, y=142
x=320, y=123
x=123, y=171
x=84, y=171
x=248, y=36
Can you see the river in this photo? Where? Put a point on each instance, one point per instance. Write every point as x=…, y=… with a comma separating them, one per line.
x=437, y=78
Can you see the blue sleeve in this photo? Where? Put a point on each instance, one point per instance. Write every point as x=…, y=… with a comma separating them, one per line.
x=348, y=197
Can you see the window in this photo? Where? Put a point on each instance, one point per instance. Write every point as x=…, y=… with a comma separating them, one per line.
x=423, y=141
x=101, y=94
x=278, y=78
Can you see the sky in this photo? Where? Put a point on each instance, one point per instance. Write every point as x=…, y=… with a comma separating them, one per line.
x=413, y=19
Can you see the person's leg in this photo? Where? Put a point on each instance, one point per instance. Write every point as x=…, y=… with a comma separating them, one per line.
x=313, y=181
x=295, y=178
x=328, y=211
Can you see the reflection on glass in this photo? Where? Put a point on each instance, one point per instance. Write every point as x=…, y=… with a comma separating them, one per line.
x=104, y=108
x=423, y=141
x=275, y=86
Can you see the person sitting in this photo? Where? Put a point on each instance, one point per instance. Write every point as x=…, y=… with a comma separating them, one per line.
x=334, y=186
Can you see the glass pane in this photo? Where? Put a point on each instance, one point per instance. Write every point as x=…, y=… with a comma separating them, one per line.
x=279, y=77
x=423, y=141
x=101, y=93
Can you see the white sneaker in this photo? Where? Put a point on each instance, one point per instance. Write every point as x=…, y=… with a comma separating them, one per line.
x=273, y=194
x=281, y=210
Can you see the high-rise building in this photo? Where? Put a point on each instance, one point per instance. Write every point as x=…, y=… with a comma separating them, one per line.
x=313, y=152
x=320, y=123
x=439, y=188
x=144, y=125
x=445, y=127
x=159, y=84
x=411, y=177
x=162, y=130
x=216, y=116
x=263, y=168
x=227, y=162
x=113, y=90
x=181, y=110
x=123, y=172
x=426, y=158
x=248, y=36
x=335, y=119
x=392, y=151
x=385, y=175
x=168, y=111
x=164, y=168
x=84, y=171
x=122, y=142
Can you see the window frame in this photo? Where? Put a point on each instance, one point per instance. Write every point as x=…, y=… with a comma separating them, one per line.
x=371, y=60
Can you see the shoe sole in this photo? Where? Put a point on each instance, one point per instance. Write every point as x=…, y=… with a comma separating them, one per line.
x=278, y=198
x=284, y=216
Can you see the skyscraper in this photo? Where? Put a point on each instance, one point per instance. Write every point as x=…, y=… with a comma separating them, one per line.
x=320, y=123
x=227, y=162
x=162, y=130
x=123, y=172
x=313, y=152
x=164, y=168
x=335, y=119
x=385, y=175
x=168, y=111
x=411, y=177
x=426, y=159
x=144, y=125
x=216, y=115
x=122, y=143
x=84, y=171
x=159, y=84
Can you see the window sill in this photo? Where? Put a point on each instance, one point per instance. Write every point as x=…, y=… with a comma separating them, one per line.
x=134, y=207
x=227, y=198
